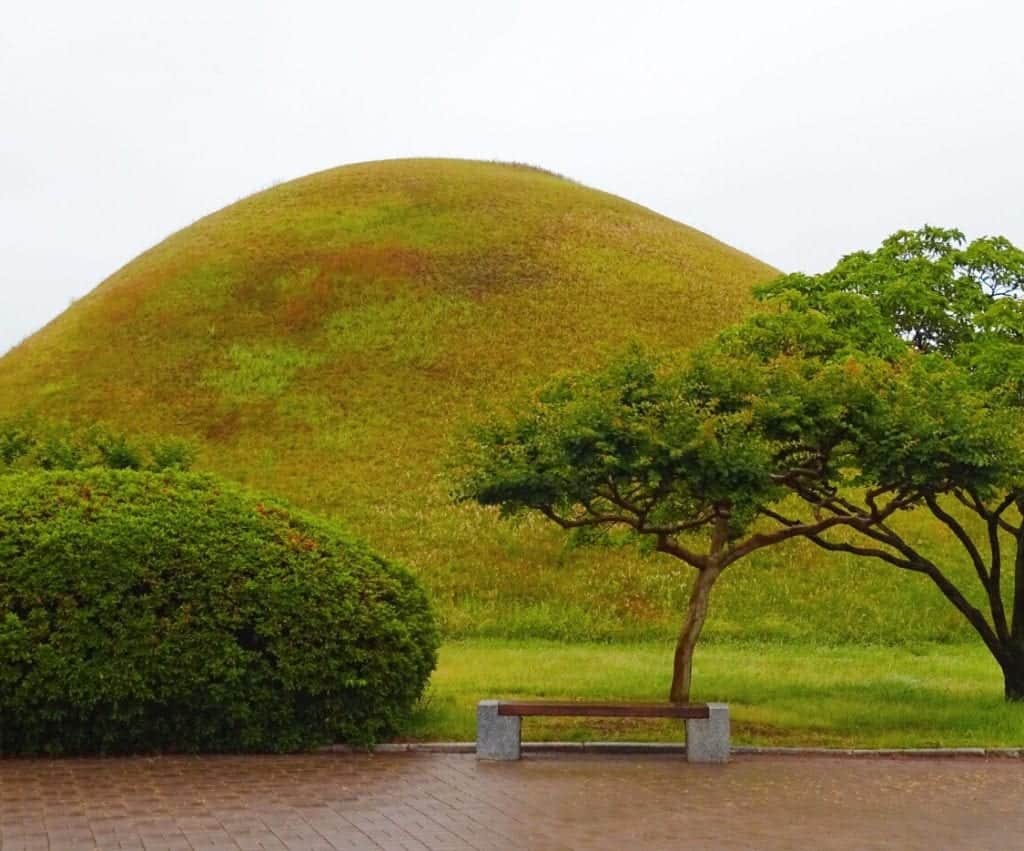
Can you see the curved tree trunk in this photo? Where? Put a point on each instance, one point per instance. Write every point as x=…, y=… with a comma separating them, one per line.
x=696, y=614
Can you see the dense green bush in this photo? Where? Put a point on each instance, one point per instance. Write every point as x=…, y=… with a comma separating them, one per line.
x=29, y=443
x=171, y=611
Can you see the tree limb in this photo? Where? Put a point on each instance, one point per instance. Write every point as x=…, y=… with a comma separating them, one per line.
x=951, y=523
x=670, y=546
x=870, y=552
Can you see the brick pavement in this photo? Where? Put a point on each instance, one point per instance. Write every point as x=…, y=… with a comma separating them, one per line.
x=446, y=801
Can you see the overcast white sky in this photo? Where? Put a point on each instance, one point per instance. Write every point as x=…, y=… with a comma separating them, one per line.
x=797, y=130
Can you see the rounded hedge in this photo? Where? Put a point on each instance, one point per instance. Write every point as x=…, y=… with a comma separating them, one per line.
x=175, y=612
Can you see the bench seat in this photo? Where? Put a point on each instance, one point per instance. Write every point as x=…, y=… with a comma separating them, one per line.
x=603, y=710
x=499, y=724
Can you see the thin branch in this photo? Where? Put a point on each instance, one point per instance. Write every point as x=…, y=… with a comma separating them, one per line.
x=976, y=505
x=592, y=519
x=639, y=521
x=874, y=529
x=919, y=564
x=779, y=518
x=996, y=570
x=871, y=498
x=618, y=499
x=954, y=526
x=760, y=540
x=666, y=543
x=906, y=563
x=869, y=552
x=873, y=526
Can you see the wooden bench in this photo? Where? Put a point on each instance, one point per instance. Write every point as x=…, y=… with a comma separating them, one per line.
x=499, y=724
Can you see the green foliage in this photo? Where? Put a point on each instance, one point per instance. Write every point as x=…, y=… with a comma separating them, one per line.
x=145, y=612
x=910, y=422
x=930, y=327
x=928, y=289
x=660, y=450
x=625, y=440
x=27, y=443
x=928, y=286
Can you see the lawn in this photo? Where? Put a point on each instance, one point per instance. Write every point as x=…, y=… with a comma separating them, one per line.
x=874, y=697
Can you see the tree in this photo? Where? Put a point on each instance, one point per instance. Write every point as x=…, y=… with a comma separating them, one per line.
x=635, y=446
x=893, y=382
x=939, y=323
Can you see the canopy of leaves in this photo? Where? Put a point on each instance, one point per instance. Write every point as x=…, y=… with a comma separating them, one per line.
x=928, y=289
x=886, y=374
x=905, y=365
x=627, y=440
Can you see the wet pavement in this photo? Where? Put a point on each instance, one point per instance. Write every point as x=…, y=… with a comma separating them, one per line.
x=550, y=801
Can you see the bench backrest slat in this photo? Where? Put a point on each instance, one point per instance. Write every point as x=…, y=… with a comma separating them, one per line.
x=603, y=710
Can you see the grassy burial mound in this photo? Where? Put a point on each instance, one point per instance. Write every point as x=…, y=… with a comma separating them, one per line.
x=321, y=340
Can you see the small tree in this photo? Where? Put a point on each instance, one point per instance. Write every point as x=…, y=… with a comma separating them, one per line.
x=940, y=326
x=893, y=382
x=641, y=449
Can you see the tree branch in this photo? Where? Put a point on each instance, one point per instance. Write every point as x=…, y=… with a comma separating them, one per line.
x=973, y=615
x=996, y=571
x=954, y=526
x=592, y=519
x=919, y=564
x=869, y=552
x=807, y=530
x=670, y=546
x=976, y=505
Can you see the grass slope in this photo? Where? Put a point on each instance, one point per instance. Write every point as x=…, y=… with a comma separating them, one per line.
x=322, y=339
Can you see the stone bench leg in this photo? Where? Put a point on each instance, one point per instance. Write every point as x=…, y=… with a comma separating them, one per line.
x=497, y=736
x=707, y=739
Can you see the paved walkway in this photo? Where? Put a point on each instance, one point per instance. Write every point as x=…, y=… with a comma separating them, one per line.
x=440, y=801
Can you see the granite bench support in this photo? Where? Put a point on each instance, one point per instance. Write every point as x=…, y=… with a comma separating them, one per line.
x=499, y=724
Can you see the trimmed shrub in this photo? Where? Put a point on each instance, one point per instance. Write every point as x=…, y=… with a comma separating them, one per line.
x=174, y=612
x=28, y=443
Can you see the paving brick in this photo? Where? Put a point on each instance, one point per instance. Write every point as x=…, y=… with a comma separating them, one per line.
x=415, y=801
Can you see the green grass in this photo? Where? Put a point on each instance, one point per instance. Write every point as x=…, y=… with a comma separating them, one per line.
x=791, y=695
x=324, y=340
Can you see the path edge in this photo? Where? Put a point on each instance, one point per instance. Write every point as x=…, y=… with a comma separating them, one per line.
x=676, y=748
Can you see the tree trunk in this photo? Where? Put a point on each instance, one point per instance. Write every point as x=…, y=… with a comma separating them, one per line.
x=1013, y=665
x=1013, y=674
x=696, y=614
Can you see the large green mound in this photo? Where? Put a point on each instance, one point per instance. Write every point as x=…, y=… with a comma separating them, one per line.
x=321, y=339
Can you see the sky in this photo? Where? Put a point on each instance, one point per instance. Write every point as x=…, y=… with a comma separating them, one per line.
x=796, y=130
